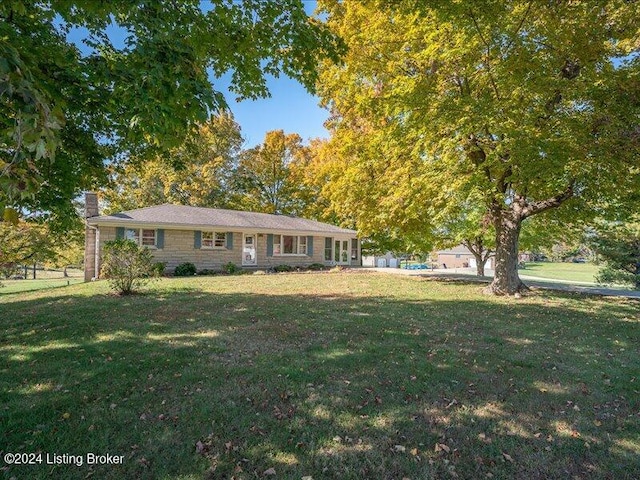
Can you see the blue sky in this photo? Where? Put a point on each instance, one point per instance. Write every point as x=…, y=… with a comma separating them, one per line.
x=290, y=108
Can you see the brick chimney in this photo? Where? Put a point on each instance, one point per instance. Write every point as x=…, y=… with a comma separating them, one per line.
x=90, y=210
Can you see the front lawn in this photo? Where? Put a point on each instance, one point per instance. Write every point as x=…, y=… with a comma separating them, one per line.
x=575, y=272
x=325, y=375
x=15, y=286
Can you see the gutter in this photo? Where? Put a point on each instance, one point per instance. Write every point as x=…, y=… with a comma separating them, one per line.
x=225, y=228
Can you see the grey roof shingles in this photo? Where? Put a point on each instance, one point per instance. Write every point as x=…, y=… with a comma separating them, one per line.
x=185, y=216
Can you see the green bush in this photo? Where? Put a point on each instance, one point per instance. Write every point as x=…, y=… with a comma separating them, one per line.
x=316, y=266
x=231, y=268
x=127, y=266
x=186, y=269
x=207, y=271
x=283, y=268
x=158, y=268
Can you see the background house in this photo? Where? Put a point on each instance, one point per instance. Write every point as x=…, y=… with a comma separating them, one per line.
x=459, y=257
x=211, y=237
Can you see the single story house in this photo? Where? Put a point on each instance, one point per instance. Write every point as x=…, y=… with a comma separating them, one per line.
x=212, y=237
x=459, y=257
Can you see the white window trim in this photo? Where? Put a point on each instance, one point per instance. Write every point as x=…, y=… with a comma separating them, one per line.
x=280, y=242
x=213, y=238
x=140, y=244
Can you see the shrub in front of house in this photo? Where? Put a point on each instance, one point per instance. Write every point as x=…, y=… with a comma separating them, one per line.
x=186, y=269
x=283, y=268
x=231, y=268
x=316, y=267
x=127, y=266
x=207, y=272
x=158, y=268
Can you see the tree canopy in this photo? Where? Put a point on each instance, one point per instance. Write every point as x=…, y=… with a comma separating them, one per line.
x=197, y=173
x=524, y=106
x=139, y=82
x=264, y=181
x=617, y=245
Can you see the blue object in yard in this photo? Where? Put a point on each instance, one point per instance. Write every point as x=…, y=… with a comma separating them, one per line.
x=417, y=266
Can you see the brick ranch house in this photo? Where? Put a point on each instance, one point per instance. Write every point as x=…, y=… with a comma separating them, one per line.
x=211, y=237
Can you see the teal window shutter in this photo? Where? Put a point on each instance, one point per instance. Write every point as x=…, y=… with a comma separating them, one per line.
x=270, y=245
x=119, y=232
x=229, y=240
x=197, y=239
x=160, y=238
x=310, y=246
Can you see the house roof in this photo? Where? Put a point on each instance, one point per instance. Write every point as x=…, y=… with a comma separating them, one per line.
x=457, y=250
x=182, y=216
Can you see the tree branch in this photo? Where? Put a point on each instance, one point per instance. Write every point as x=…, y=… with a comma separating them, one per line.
x=519, y=27
x=487, y=62
x=542, y=205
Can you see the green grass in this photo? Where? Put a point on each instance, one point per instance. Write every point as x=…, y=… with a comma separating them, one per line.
x=329, y=375
x=15, y=286
x=577, y=272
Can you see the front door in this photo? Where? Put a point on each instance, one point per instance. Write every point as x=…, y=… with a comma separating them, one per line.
x=249, y=256
x=341, y=252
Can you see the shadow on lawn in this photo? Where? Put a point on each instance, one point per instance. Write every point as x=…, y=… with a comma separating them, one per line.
x=186, y=382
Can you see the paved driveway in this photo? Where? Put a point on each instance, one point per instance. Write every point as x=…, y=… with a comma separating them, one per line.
x=544, y=283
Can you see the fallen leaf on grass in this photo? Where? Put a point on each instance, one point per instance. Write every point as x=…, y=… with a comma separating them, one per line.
x=270, y=471
x=507, y=457
x=442, y=447
x=399, y=449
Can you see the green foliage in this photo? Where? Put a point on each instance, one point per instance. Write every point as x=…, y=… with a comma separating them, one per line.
x=283, y=268
x=316, y=267
x=231, y=268
x=186, y=269
x=618, y=246
x=207, y=272
x=159, y=268
x=67, y=107
x=195, y=173
x=264, y=180
x=521, y=106
x=127, y=266
x=25, y=242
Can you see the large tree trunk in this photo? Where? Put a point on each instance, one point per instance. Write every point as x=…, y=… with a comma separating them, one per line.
x=477, y=247
x=506, y=280
x=480, y=263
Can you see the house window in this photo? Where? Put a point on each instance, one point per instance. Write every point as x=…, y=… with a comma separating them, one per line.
x=302, y=245
x=142, y=236
x=148, y=238
x=214, y=239
x=289, y=245
x=354, y=249
x=132, y=234
x=277, y=245
x=328, y=251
